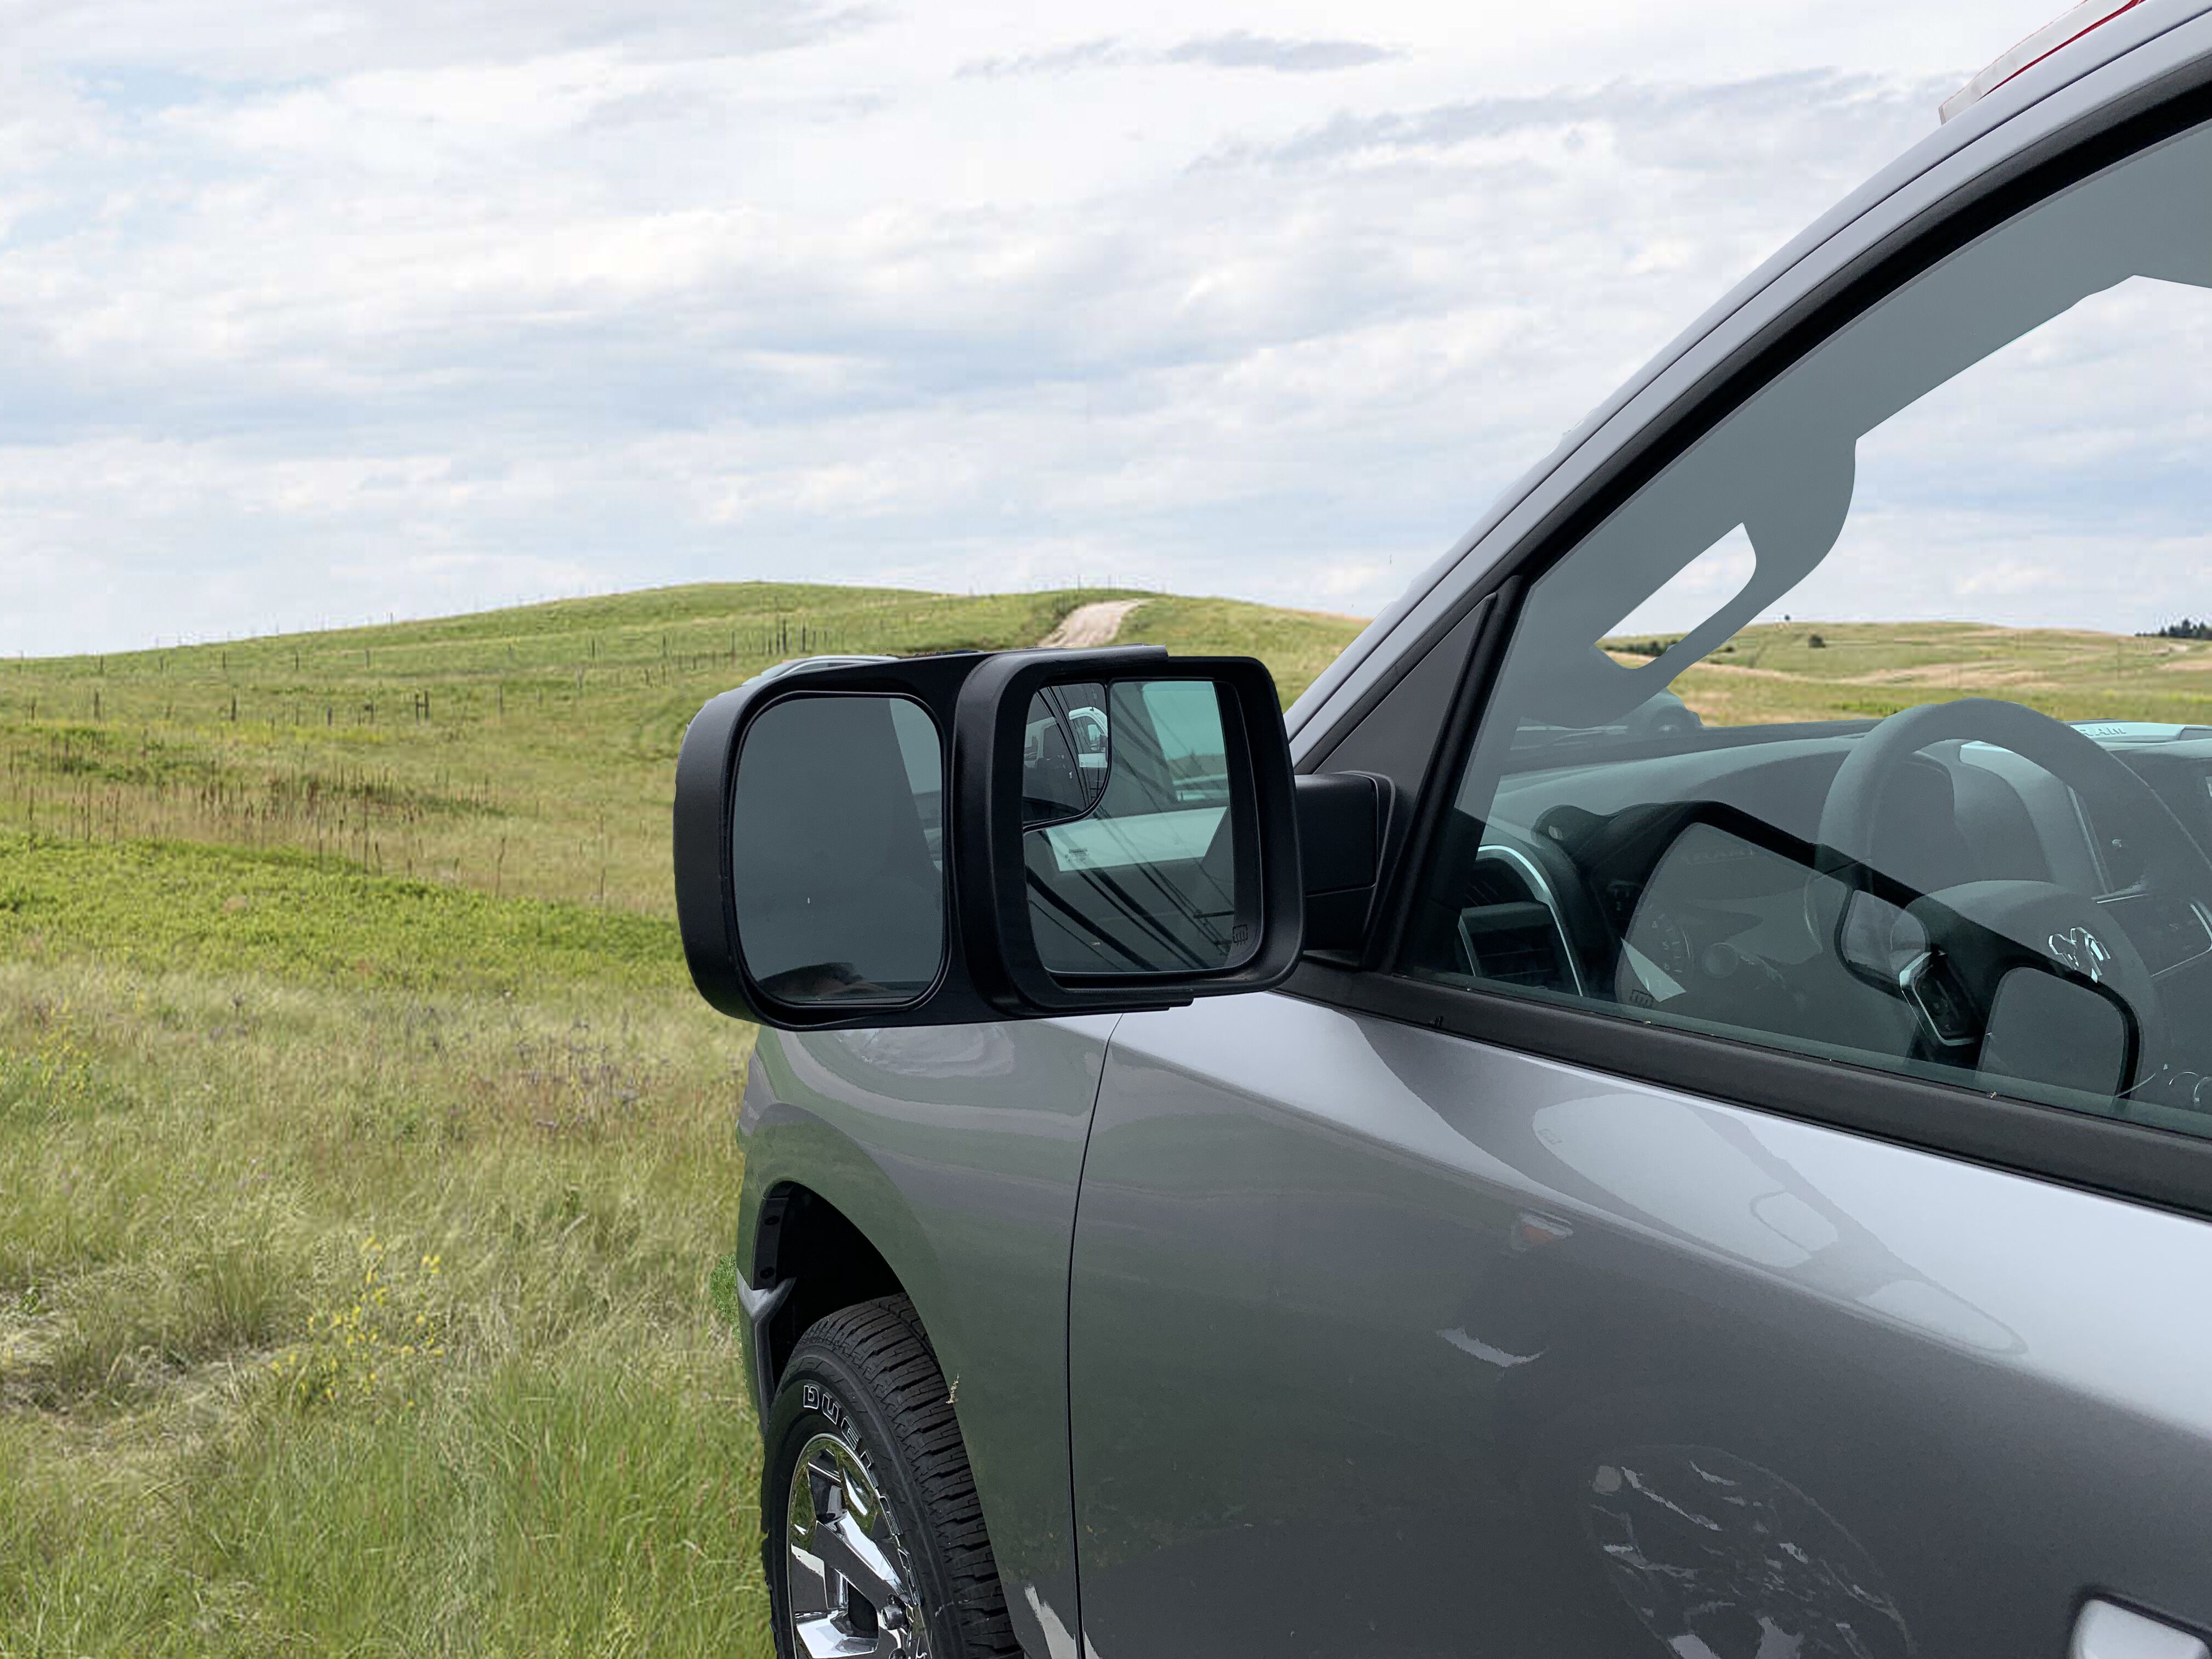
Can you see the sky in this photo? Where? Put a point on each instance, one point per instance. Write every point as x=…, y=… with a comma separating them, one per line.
x=318, y=313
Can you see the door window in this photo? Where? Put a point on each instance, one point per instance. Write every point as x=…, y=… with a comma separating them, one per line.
x=1877, y=726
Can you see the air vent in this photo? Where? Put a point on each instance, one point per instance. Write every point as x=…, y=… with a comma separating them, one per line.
x=1511, y=936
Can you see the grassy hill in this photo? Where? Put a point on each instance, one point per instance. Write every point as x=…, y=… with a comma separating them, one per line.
x=521, y=751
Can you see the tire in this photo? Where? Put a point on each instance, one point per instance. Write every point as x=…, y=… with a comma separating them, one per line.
x=864, y=1404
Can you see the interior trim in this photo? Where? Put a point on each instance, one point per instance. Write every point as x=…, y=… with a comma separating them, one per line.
x=1455, y=736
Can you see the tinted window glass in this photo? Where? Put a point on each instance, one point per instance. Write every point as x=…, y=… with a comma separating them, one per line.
x=1873, y=726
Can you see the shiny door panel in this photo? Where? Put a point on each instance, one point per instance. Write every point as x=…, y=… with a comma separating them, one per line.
x=1383, y=1341
x=957, y=1151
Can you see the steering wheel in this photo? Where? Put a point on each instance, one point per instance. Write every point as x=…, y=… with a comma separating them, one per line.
x=1985, y=928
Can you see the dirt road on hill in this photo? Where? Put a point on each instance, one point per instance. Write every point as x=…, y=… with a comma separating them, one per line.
x=1089, y=625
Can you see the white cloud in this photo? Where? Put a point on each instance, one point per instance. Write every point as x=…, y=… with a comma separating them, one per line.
x=323, y=313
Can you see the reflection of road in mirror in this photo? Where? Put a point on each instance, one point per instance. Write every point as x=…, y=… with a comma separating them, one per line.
x=1722, y=1559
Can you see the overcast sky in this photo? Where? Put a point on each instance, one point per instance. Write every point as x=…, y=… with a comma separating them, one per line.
x=321, y=312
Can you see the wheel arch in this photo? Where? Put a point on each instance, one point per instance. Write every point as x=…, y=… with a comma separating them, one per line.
x=803, y=1240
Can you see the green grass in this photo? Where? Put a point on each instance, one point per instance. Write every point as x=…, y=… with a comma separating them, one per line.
x=528, y=751
x=348, y=1319
x=160, y=906
x=1860, y=671
x=1296, y=645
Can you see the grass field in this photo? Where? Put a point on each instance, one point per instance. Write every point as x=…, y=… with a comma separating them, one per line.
x=526, y=751
x=353, y=1287
x=1863, y=670
x=366, y=1155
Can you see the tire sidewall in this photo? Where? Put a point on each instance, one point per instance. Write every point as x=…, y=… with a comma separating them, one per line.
x=821, y=1394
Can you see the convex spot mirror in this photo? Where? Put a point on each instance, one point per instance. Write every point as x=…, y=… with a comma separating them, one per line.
x=1066, y=751
x=974, y=837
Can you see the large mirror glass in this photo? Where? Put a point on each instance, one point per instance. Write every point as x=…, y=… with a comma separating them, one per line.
x=1131, y=852
x=837, y=857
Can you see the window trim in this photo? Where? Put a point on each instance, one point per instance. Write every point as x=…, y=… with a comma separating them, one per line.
x=1455, y=736
x=1318, y=748
x=2108, y=1156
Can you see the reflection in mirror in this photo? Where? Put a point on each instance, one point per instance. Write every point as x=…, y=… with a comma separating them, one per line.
x=1065, y=753
x=1143, y=878
x=836, y=861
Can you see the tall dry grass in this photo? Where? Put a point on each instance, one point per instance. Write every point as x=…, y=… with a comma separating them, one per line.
x=341, y=1316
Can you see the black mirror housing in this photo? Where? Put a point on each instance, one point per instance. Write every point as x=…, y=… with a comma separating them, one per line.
x=860, y=842
x=1344, y=820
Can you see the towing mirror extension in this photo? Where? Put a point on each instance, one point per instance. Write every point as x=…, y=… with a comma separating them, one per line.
x=932, y=840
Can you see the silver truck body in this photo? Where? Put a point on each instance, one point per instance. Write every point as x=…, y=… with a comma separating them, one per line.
x=1289, y=1323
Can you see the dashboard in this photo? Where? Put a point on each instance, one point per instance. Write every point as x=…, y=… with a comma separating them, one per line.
x=1682, y=880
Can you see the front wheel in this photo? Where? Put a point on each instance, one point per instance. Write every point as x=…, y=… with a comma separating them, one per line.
x=872, y=1538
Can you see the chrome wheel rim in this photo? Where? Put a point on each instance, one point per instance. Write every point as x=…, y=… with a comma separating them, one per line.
x=846, y=1580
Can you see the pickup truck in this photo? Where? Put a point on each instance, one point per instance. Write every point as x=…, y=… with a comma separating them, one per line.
x=1465, y=1167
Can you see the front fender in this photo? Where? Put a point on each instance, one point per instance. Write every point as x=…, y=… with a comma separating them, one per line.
x=955, y=1151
